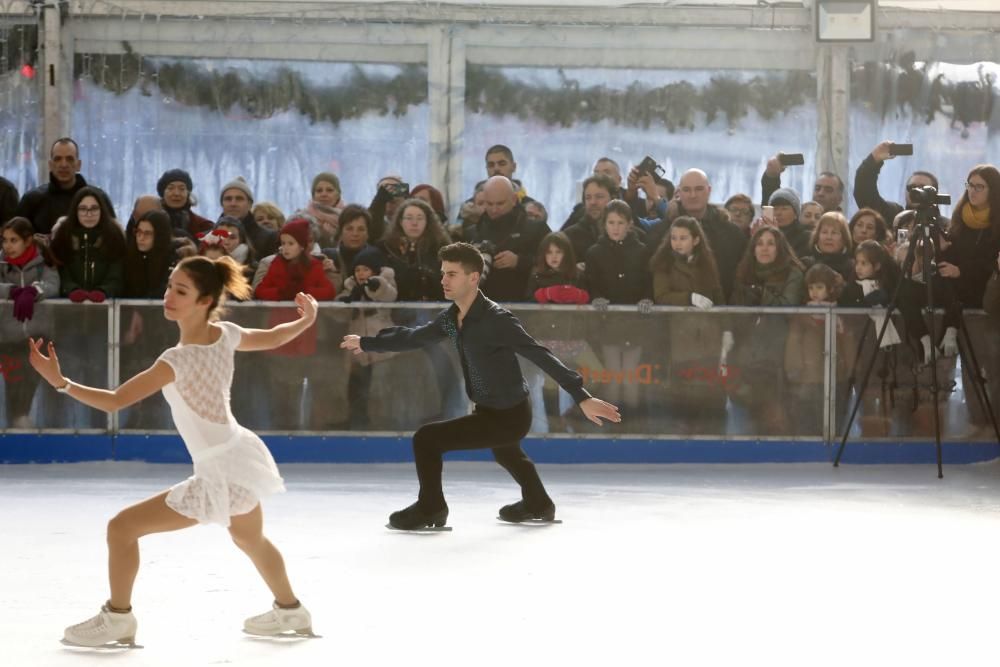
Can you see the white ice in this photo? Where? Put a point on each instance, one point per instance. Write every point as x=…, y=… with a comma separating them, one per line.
x=798, y=565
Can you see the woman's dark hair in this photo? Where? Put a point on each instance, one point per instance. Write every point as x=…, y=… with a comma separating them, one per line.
x=991, y=175
x=888, y=272
x=144, y=275
x=619, y=207
x=823, y=274
x=434, y=236
x=112, y=239
x=746, y=270
x=567, y=267
x=23, y=228
x=351, y=213
x=881, y=230
x=704, y=258
x=216, y=278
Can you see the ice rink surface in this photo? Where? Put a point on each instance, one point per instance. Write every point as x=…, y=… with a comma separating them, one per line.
x=654, y=565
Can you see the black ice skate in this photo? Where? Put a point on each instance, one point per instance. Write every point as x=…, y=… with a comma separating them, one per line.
x=521, y=512
x=414, y=518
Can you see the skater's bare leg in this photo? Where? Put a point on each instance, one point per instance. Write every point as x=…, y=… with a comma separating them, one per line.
x=124, y=530
x=248, y=534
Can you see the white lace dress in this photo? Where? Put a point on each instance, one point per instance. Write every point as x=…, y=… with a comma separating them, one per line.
x=233, y=469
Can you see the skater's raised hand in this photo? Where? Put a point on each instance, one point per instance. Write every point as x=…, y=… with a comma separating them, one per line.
x=307, y=306
x=595, y=409
x=47, y=366
x=352, y=343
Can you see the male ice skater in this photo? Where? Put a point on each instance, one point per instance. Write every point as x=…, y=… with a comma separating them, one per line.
x=487, y=338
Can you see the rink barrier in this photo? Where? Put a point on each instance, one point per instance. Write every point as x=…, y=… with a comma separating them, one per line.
x=72, y=432
x=168, y=448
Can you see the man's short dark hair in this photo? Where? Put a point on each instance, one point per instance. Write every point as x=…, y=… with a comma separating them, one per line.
x=830, y=174
x=64, y=140
x=933, y=179
x=464, y=254
x=609, y=161
x=602, y=182
x=500, y=148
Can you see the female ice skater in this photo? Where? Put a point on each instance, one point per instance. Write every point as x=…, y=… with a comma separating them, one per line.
x=487, y=338
x=233, y=469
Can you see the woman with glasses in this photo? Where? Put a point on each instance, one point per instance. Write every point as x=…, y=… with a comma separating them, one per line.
x=969, y=258
x=90, y=248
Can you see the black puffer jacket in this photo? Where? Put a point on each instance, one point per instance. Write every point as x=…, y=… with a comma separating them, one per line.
x=619, y=271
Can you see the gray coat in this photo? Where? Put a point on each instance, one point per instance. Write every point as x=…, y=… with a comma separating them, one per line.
x=43, y=278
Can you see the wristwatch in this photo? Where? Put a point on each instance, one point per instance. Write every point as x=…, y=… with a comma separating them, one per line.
x=65, y=388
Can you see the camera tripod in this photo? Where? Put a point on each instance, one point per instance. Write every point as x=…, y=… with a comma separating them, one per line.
x=926, y=234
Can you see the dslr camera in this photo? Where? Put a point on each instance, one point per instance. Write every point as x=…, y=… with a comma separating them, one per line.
x=488, y=250
x=648, y=166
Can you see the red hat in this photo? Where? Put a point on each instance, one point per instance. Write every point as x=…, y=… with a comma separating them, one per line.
x=298, y=229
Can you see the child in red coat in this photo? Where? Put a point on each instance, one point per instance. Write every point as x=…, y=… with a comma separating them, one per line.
x=293, y=270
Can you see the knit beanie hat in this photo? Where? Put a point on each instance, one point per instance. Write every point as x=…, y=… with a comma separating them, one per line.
x=788, y=196
x=298, y=229
x=171, y=176
x=238, y=183
x=325, y=177
x=371, y=258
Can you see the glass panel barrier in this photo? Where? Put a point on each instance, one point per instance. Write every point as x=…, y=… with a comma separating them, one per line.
x=898, y=401
x=80, y=332
x=664, y=370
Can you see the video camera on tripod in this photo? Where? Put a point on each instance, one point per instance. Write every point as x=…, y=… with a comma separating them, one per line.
x=927, y=197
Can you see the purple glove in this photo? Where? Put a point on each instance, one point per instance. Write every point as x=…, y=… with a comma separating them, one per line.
x=24, y=302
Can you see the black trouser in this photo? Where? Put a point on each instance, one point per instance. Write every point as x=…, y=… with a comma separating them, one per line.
x=500, y=430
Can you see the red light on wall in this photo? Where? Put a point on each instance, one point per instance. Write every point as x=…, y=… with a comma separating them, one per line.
x=27, y=71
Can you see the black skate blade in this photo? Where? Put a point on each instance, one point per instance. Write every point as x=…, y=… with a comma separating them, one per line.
x=110, y=646
x=529, y=522
x=425, y=529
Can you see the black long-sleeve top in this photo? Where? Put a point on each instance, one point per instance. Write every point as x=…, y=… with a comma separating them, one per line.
x=866, y=192
x=487, y=342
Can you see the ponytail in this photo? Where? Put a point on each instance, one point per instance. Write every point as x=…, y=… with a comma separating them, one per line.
x=216, y=278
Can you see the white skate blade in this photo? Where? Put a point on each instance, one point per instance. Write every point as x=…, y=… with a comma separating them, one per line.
x=305, y=633
x=529, y=522
x=110, y=646
x=425, y=529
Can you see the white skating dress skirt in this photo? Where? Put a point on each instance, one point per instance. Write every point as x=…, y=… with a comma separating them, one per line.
x=233, y=469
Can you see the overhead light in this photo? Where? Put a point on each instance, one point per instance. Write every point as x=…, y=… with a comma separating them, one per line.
x=845, y=20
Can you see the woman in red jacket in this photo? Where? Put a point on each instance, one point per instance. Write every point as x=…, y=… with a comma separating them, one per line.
x=291, y=271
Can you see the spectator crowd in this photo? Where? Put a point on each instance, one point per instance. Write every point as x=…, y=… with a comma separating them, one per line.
x=634, y=239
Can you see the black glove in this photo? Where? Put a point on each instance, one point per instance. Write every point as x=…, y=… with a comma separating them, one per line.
x=373, y=283
x=383, y=196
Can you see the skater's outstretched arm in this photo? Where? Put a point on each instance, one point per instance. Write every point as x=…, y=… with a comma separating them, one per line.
x=268, y=339
x=139, y=387
x=398, y=339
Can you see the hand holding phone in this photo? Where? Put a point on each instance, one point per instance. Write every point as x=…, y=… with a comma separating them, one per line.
x=791, y=159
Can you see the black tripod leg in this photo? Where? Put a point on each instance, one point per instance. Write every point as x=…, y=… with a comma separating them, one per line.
x=864, y=382
x=970, y=363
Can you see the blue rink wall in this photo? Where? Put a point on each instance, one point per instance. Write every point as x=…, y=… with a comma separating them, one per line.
x=68, y=448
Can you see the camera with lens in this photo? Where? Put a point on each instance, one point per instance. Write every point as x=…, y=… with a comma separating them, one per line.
x=927, y=196
x=649, y=167
x=488, y=250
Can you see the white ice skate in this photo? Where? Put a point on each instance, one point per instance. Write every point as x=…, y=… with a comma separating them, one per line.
x=280, y=622
x=107, y=629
